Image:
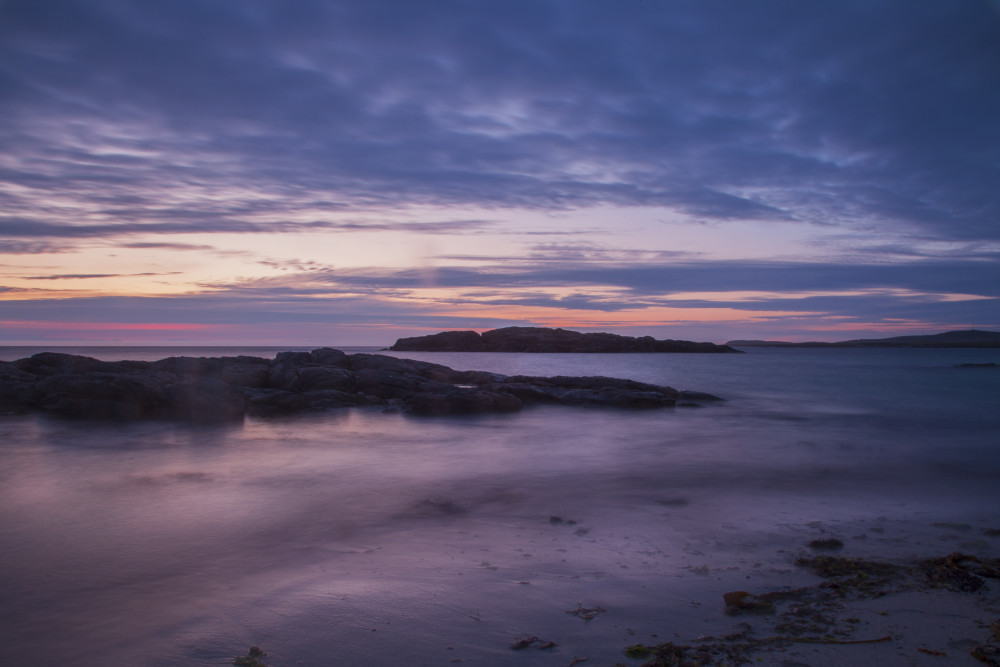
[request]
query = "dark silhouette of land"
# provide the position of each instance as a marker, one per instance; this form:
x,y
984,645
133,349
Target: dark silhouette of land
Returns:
x,y
228,388
967,338
539,339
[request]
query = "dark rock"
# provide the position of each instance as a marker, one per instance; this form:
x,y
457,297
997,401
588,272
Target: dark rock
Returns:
x,y
239,371
424,369
227,388
320,369
386,384
318,378
130,396
457,401
98,396
16,388
192,366
611,392
699,396
278,402
203,400
475,377
56,363
538,339
446,341
327,356
245,371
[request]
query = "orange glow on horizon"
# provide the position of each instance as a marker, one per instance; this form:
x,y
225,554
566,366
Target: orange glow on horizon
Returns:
x,y
110,326
652,316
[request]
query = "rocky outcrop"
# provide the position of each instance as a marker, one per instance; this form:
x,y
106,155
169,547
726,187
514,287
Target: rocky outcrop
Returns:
x,y
227,388
537,339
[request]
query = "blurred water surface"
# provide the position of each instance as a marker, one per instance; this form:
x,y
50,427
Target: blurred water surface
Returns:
x,y
355,535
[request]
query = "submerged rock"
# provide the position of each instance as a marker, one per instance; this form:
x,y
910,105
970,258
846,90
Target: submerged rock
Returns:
x,y
228,388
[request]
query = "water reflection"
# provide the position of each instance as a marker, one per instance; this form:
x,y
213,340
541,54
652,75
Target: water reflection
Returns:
x,y
168,544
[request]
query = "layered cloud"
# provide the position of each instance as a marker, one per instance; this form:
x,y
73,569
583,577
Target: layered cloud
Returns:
x,y
378,305
443,164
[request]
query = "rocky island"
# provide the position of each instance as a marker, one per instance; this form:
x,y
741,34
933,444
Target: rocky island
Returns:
x,y
539,339
228,388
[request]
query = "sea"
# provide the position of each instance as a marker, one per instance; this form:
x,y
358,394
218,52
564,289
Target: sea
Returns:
x,y
363,537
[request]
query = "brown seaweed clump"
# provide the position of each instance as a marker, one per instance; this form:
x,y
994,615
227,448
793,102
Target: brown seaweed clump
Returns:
x,y
819,614
959,572
253,658
738,602
533,641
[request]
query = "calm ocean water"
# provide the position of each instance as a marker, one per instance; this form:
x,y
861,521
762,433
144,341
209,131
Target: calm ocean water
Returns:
x,y
359,537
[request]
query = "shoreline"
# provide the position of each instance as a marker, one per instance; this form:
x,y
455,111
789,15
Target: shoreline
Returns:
x,y
863,612
895,609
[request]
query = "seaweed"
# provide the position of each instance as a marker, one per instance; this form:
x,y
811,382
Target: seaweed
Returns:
x,y
253,658
738,602
836,566
815,614
535,641
586,613
959,572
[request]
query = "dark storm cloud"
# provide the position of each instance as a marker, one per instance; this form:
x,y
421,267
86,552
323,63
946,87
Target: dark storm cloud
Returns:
x,y
859,113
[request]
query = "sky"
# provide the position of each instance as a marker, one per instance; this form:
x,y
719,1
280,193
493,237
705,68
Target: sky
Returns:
x,y
322,172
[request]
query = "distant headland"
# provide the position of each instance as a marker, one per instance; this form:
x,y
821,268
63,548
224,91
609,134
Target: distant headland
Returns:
x,y
539,339
967,338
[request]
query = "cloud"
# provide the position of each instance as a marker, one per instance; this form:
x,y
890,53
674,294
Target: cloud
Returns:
x,y
750,287
22,227
695,276
720,110
29,247
731,299
86,276
166,246
874,127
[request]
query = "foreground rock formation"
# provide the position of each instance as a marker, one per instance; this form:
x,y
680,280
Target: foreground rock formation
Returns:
x,y
227,388
537,339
